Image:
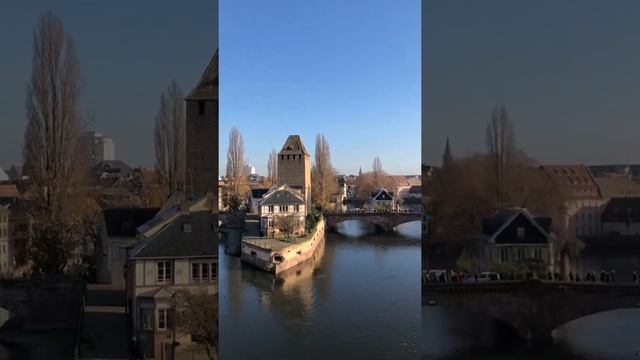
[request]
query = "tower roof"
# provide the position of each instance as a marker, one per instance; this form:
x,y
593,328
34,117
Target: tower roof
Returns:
x,y
207,88
294,145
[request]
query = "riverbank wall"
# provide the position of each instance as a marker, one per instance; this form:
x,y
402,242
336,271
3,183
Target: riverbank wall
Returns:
x,y
276,256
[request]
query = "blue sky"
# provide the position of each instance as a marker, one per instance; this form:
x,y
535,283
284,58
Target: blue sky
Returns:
x,y
129,52
567,71
349,70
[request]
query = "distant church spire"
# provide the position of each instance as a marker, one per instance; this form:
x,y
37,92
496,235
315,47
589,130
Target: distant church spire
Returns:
x,y
360,171
447,158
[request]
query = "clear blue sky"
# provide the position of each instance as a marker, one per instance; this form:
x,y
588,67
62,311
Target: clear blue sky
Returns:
x,y
347,69
567,71
129,51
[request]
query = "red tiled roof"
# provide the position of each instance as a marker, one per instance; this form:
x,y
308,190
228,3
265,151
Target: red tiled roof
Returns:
x,y
8,191
578,178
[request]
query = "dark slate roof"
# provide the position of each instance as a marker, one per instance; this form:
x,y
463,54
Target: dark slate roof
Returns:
x,y
114,167
207,88
282,197
622,210
257,193
294,145
382,195
176,240
493,225
123,222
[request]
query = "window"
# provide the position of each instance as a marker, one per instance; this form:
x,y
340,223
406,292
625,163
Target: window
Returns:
x,y
201,107
520,254
206,275
186,227
504,255
195,272
537,254
284,208
147,319
165,273
270,223
520,232
297,208
270,208
202,272
163,319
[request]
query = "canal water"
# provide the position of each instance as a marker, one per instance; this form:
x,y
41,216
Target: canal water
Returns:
x,y
614,335
357,299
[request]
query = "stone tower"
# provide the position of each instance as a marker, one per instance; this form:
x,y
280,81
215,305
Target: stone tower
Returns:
x,y
202,135
294,166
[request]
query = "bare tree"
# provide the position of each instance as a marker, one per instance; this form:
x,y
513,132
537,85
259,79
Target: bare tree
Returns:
x,y
237,182
169,139
286,224
199,317
377,171
272,167
53,127
323,175
501,146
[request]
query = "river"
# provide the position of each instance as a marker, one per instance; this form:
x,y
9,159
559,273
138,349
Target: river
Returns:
x,y
357,299
614,335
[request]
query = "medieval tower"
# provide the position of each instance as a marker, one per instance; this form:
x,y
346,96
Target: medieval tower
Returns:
x,y
202,135
294,166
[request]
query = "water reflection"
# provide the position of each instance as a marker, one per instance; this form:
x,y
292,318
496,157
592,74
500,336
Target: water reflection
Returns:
x,y
613,335
357,299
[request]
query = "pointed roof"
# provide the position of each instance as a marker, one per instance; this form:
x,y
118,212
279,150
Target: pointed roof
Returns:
x,y
207,88
293,145
497,223
282,195
447,158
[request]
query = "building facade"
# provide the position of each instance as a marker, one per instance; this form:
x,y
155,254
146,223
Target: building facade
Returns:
x,y
585,200
6,263
181,256
280,202
513,239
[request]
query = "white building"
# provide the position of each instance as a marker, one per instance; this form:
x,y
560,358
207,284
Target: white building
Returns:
x,y
97,147
250,169
177,251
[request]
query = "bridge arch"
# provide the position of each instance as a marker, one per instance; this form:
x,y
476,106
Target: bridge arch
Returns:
x,y
534,308
384,221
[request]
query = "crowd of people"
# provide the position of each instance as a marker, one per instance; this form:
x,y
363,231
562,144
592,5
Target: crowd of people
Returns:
x,y
447,276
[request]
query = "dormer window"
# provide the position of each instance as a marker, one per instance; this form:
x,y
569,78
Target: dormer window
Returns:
x,y
520,232
186,227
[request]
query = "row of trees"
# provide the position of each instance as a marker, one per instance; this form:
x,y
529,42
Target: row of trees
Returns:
x,y
324,178
474,187
62,209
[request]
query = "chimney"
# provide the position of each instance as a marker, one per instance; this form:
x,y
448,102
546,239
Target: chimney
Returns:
x,y
183,207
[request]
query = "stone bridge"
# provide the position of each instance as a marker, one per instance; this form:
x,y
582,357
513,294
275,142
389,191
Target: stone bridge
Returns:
x,y
533,307
385,221
43,304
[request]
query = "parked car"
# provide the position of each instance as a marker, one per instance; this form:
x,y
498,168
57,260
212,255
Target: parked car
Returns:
x,y
488,276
